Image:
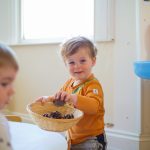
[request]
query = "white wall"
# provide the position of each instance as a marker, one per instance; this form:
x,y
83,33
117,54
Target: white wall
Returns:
x,y
42,72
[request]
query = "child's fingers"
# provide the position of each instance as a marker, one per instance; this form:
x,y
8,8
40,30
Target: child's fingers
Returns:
x,y
61,95
67,98
57,95
42,99
64,96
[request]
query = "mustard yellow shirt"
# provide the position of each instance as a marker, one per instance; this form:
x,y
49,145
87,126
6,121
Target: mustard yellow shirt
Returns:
x,y
90,101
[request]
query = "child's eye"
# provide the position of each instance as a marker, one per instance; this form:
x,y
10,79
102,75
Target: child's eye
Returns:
x,y
4,84
71,63
83,60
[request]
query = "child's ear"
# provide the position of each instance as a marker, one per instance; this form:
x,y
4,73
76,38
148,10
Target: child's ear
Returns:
x,y
94,61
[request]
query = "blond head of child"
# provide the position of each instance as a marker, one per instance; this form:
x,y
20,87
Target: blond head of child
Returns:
x,y
71,46
79,55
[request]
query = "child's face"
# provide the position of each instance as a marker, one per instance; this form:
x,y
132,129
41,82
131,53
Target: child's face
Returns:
x,y
80,64
7,76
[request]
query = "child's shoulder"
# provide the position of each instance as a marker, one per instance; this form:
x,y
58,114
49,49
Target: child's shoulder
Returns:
x,y
93,80
93,83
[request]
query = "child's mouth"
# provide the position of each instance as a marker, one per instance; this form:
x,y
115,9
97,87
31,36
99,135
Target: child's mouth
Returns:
x,y
79,72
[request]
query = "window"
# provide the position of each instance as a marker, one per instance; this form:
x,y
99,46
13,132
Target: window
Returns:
x,y
56,19
40,21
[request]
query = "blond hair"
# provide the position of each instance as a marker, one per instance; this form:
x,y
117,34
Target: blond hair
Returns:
x,y
8,57
72,45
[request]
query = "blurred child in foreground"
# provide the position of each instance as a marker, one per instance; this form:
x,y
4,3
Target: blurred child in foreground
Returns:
x,y
8,71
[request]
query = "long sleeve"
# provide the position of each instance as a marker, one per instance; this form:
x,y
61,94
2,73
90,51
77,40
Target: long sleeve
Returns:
x,y
90,100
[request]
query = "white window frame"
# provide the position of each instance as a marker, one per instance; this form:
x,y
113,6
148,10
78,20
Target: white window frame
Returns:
x,y
11,26
104,20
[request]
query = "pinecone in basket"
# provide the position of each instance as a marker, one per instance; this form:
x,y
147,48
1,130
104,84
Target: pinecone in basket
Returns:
x,y
58,115
68,116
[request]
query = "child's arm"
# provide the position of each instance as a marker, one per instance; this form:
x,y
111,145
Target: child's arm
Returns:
x,y
61,95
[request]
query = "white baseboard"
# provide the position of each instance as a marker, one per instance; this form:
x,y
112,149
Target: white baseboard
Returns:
x,y
121,140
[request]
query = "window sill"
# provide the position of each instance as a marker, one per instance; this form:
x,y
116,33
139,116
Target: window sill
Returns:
x,y
51,41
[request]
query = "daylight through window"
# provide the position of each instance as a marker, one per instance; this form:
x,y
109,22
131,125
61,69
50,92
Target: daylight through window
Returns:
x,y
56,19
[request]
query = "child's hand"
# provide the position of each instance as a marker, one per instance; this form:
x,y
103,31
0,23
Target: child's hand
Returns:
x,y
44,99
66,97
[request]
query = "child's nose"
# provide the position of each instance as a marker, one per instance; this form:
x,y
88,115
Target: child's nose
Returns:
x,y
77,65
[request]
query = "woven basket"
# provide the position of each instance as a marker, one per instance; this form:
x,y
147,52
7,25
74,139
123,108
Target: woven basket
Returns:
x,y
36,110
